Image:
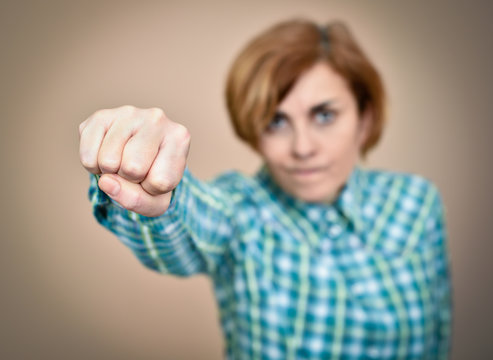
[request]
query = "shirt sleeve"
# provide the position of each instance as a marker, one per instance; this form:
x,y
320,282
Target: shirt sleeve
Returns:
x,y
191,237
442,287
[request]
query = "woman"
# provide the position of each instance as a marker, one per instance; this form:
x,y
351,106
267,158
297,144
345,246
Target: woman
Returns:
x,y
314,256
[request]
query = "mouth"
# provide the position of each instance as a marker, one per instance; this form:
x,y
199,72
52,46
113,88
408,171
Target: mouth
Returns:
x,y
306,172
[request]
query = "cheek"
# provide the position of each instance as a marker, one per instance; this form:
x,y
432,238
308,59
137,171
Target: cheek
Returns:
x,y
272,150
347,137
340,148
336,144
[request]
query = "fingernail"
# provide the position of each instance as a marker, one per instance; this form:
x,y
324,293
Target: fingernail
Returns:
x,y
112,186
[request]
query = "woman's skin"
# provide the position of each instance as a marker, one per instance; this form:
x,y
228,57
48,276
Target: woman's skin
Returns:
x,y
310,146
313,142
140,152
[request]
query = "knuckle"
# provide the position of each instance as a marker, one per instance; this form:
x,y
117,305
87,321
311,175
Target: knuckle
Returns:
x,y
156,117
127,109
157,112
182,134
155,122
109,164
87,162
161,184
133,169
100,117
101,113
87,158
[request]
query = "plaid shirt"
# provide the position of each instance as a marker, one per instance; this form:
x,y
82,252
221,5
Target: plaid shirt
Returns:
x,y
366,277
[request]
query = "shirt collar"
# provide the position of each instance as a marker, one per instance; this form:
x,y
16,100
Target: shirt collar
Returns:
x,y
348,203
350,200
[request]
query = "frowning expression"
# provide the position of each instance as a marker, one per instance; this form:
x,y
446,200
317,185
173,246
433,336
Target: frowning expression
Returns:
x,y
313,141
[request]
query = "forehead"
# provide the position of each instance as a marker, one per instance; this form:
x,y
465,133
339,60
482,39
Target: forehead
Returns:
x,y
318,84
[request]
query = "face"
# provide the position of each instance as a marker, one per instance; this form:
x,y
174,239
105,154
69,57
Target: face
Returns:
x,y
312,144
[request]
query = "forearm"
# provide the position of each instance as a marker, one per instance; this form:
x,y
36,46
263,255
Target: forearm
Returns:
x,y
190,237
160,243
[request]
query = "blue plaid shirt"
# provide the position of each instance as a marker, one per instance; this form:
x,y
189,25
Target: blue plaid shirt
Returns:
x,y
366,277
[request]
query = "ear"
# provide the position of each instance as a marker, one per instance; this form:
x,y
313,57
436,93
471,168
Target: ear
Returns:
x,y
365,125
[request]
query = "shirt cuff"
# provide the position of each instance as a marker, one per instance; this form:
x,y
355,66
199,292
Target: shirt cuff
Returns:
x,y
100,200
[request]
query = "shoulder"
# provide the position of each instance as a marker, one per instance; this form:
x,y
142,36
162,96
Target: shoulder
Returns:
x,y
401,197
402,210
399,185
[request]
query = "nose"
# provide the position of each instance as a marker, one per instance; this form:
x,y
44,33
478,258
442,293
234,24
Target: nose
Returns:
x,y
303,144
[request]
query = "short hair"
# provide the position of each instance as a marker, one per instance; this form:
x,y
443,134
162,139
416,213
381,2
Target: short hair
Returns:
x,y
267,68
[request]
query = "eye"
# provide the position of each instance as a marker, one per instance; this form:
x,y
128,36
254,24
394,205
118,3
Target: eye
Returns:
x,y
324,116
278,122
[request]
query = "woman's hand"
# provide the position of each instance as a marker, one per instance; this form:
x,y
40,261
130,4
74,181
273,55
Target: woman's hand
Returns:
x,y
140,152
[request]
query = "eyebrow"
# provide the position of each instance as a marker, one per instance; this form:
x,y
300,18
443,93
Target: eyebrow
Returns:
x,y
314,109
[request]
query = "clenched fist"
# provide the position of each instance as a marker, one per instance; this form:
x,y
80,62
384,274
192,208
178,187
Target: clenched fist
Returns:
x,y
140,153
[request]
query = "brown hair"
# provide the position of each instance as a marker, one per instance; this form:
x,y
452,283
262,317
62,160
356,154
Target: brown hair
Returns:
x,y
267,68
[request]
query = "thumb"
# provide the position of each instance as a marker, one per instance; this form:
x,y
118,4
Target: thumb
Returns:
x,y
110,185
132,196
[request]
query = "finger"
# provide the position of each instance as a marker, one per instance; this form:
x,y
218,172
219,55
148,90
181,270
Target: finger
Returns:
x,y
169,164
132,196
111,150
82,126
140,151
91,138
98,117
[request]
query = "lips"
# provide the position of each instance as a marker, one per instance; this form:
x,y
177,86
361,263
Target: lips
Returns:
x,y
306,173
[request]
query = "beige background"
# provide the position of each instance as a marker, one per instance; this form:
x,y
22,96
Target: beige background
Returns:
x,y
71,290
